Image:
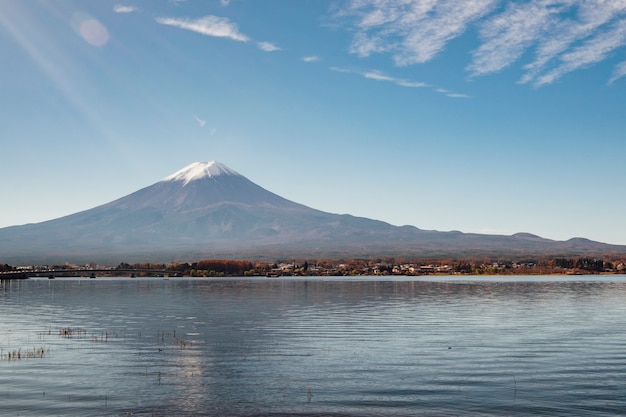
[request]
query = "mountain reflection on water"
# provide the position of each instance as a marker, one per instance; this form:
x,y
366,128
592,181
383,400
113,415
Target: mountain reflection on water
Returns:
x,y
358,347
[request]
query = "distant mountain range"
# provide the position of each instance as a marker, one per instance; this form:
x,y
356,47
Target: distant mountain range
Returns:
x,y
207,210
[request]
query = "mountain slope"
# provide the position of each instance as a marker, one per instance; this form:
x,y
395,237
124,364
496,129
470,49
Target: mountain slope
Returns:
x,y
209,210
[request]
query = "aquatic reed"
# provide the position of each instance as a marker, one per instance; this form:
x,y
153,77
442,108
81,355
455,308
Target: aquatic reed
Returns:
x,y
28,354
70,332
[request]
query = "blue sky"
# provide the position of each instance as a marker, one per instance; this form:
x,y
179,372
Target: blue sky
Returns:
x,y
478,115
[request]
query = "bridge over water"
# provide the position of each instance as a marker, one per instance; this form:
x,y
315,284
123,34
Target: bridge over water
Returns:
x,y
92,273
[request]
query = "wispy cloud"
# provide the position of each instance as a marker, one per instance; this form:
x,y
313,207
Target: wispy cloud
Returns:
x,y
457,95
220,27
567,35
590,52
619,72
507,35
451,94
310,58
224,2
380,76
267,46
413,31
344,70
561,35
118,8
200,121
410,84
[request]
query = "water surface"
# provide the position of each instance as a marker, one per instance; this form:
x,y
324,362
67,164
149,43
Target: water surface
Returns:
x,y
360,347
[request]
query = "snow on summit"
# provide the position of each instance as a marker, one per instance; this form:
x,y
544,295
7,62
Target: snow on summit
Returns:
x,y
200,170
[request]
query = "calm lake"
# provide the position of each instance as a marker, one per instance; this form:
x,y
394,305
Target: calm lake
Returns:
x,y
518,346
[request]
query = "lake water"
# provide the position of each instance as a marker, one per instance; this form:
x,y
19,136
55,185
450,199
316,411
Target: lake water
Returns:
x,y
520,346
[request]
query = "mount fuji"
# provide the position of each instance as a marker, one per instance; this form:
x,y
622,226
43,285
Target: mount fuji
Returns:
x,y
207,210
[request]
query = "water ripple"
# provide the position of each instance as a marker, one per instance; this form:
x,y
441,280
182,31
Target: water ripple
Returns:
x,y
313,348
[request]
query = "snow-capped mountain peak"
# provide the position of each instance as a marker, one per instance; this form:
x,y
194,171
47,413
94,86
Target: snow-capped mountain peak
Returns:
x,y
200,170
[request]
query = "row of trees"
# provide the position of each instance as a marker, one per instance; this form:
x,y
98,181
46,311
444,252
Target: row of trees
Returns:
x,y
585,264
389,266
207,267
383,266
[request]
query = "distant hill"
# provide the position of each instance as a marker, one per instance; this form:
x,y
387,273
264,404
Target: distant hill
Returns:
x,y
207,210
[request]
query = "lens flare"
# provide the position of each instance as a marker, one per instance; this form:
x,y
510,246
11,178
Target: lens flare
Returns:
x,y
90,29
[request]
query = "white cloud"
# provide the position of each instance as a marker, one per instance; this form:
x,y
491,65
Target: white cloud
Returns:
x,y
590,52
310,58
619,72
118,8
380,76
413,31
561,35
220,27
199,120
427,38
457,95
344,70
411,84
267,46
507,35
224,2
564,35
451,94
364,45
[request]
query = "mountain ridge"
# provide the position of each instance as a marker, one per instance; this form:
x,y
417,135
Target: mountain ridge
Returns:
x,y
207,210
